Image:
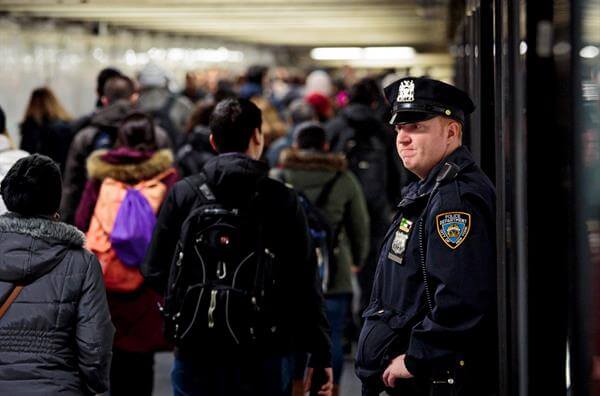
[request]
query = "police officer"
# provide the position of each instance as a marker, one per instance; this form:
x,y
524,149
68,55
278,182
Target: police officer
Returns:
x,y
430,327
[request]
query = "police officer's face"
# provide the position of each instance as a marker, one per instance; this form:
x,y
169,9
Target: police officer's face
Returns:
x,y
421,145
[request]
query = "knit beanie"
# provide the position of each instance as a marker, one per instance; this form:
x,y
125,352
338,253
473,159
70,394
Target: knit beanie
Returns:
x,y
153,75
32,187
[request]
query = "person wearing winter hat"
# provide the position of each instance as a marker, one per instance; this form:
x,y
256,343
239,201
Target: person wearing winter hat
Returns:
x,y
8,154
319,81
169,110
55,327
321,104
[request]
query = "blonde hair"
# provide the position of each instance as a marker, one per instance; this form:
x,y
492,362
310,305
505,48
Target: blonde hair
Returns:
x,y
43,105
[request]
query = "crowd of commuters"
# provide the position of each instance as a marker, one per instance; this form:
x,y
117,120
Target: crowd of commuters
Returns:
x,y
105,251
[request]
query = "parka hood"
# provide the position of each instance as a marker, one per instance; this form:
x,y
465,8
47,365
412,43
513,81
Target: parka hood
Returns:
x,y
231,173
313,160
31,246
104,163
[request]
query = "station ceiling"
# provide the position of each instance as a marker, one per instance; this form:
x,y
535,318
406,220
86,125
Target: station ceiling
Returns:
x,y
302,23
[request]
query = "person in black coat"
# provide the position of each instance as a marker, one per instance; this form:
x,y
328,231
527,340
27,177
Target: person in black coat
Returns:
x,y
46,127
196,149
56,336
233,178
430,327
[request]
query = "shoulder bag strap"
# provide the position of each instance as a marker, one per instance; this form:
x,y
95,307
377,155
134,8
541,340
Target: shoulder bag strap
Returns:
x,y
324,195
10,299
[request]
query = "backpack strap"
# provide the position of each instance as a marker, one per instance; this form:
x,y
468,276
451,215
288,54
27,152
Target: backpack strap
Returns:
x,y
324,195
16,290
198,183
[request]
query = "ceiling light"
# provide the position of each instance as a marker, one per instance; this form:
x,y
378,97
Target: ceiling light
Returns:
x,y
368,53
388,53
589,52
336,53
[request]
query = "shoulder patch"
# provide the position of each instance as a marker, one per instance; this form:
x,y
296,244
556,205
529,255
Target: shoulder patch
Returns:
x,y
453,227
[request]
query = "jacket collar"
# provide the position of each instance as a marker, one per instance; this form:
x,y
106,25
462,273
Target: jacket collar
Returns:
x,y
112,115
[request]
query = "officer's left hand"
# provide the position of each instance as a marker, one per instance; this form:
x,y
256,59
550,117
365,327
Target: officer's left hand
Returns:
x,y
396,369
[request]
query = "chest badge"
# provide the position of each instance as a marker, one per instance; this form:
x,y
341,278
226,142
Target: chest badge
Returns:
x,y
399,243
453,227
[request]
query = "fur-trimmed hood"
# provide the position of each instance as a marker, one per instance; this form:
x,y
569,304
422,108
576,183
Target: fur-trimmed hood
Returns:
x,y
312,160
29,245
100,169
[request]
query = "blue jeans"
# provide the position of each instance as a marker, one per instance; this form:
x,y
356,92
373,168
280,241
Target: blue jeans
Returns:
x,y
336,308
239,376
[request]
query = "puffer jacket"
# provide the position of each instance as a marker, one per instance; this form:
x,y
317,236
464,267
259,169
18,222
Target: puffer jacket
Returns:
x,y
106,120
56,337
308,172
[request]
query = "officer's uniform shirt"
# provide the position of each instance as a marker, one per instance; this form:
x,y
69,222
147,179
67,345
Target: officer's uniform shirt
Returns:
x,y
449,232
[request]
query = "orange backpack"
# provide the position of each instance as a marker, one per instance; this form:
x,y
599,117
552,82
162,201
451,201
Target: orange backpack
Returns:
x,y
117,276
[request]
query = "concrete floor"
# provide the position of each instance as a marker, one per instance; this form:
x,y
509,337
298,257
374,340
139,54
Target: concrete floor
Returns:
x,y
162,380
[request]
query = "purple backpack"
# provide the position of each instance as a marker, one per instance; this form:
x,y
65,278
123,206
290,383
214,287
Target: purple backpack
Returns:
x,y
133,227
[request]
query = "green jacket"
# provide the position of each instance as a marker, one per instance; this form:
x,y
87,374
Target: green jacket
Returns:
x,y
308,172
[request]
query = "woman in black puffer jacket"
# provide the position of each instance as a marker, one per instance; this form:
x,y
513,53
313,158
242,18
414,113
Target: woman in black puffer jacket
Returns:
x,y
56,337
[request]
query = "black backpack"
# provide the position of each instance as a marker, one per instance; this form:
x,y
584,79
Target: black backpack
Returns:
x,y
222,280
324,238
367,157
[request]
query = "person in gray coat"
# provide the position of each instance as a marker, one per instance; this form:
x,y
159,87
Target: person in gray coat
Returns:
x,y
56,336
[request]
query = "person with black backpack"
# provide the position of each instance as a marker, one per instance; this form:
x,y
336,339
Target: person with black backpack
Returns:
x,y
358,133
231,253
338,221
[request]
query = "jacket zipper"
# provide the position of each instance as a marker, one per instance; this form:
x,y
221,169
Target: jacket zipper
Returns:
x,y
424,268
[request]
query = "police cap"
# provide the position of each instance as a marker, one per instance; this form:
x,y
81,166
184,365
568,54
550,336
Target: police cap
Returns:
x,y
415,99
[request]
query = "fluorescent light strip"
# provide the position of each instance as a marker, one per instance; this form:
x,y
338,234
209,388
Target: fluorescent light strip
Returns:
x,y
336,53
368,53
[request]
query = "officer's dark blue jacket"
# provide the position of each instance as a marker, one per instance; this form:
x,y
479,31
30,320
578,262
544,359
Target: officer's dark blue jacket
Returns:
x,y
435,285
